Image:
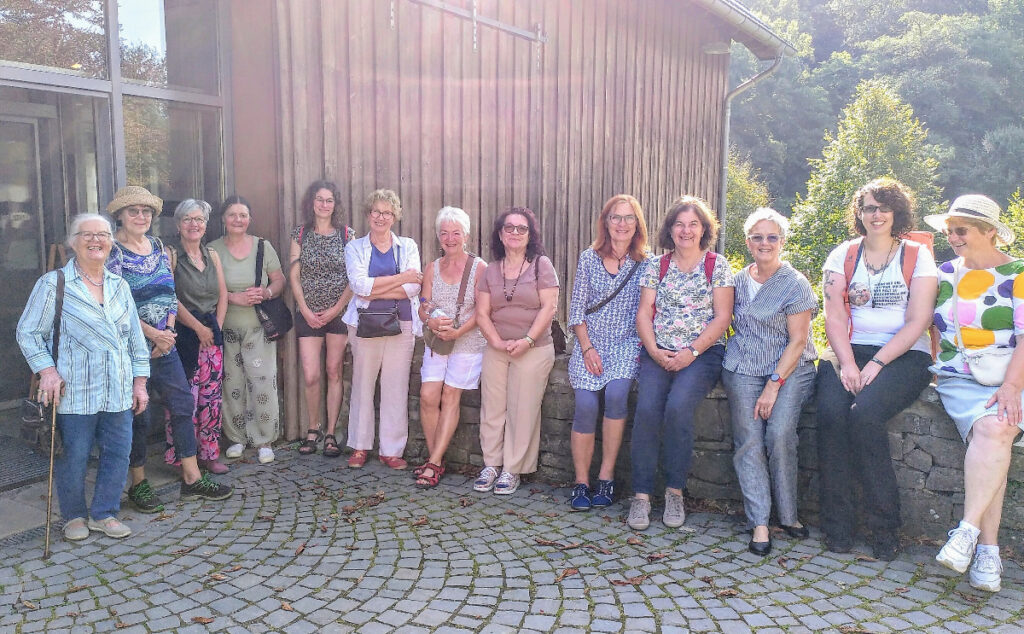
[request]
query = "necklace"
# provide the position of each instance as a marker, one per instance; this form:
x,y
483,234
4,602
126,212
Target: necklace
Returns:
x,y
504,289
621,260
880,272
89,279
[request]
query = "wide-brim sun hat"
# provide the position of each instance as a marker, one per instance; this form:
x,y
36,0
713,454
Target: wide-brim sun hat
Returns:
x,y
134,195
974,207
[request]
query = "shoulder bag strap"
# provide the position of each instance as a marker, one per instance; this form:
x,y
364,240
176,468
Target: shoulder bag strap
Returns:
x,y
398,271
909,261
57,312
601,304
466,272
709,265
259,263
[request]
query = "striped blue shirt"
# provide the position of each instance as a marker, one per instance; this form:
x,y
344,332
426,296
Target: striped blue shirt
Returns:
x,y
102,348
760,321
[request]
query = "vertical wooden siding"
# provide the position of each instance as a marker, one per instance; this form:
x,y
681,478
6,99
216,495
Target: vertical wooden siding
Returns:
x,y
620,99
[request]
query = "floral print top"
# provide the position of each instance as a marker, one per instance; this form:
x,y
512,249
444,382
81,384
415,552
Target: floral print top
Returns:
x,y
322,272
683,301
990,306
612,328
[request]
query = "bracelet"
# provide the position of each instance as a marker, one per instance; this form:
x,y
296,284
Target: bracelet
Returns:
x,y
270,293
530,340
584,353
878,361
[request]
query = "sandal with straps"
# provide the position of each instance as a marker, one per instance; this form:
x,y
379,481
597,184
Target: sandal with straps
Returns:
x,y
308,446
429,481
331,448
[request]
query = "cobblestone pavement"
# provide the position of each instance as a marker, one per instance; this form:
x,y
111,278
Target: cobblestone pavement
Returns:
x,y
309,545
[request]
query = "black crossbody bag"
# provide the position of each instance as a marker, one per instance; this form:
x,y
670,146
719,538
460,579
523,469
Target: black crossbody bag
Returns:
x,y
273,313
375,323
33,414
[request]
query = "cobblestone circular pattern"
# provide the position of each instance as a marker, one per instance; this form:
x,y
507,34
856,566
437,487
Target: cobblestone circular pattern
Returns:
x,y
308,545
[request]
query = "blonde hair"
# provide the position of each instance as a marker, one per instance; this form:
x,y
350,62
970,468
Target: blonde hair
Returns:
x,y
384,195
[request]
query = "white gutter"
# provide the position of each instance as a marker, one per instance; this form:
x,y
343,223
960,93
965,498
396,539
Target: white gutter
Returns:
x,y
737,16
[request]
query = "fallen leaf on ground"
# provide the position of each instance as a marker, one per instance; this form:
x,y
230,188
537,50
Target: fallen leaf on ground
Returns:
x,y
182,551
656,556
204,620
218,577
287,607
708,580
630,581
265,518
782,561
112,611
552,514
535,491
348,510
323,528
595,547
73,614
901,590
302,547
77,588
728,592
234,568
161,517
635,541
568,572
464,502
510,512
970,597
853,629
422,521
716,550
864,558
28,604
121,625
278,589
547,542
569,546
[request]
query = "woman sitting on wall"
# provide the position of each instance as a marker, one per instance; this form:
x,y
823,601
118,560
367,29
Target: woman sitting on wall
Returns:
x,y
202,303
320,285
768,373
448,310
879,292
605,296
686,300
384,271
980,315
516,300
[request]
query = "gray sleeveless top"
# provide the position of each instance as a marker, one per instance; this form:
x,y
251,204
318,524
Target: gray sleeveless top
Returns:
x,y
446,296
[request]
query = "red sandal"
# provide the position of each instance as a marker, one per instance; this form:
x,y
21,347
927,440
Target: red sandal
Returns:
x,y
429,481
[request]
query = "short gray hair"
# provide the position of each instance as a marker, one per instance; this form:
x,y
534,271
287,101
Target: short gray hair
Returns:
x,y
452,214
76,223
187,205
766,213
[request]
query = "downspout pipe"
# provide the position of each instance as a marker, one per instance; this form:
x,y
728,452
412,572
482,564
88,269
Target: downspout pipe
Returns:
x,y
724,186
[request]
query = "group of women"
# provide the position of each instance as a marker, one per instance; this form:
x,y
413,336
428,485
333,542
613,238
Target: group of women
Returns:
x,y
659,320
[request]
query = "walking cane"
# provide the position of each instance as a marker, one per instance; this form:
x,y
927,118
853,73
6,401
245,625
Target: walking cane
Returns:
x,y
49,483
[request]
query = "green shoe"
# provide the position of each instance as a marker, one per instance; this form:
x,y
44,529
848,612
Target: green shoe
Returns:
x,y
144,499
206,489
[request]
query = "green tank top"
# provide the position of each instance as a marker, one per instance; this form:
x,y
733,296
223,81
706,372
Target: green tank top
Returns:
x,y
197,290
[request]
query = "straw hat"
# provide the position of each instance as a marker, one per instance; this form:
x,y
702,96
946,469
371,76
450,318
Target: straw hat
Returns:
x,y
974,207
134,195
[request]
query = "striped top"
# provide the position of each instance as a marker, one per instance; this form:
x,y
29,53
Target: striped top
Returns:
x,y
150,279
759,320
101,346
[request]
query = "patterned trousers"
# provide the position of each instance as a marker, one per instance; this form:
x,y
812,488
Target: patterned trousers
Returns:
x,y
206,391
250,411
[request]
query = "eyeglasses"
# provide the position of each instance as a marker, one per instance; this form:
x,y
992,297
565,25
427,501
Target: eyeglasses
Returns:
x,y
960,232
871,209
98,236
133,212
324,201
771,238
520,229
378,213
193,220
618,220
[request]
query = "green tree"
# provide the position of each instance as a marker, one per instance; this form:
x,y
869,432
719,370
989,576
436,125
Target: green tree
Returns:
x,y
877,135
1014,219
746,192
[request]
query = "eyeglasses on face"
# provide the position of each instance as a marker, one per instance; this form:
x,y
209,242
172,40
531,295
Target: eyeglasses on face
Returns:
x,y
97,236
520,229
134,212
771,238
618,220
960,232
324,201
871,209
382,213
193,220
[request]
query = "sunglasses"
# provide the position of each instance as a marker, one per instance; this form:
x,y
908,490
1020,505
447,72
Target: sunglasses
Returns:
x,y
960,232
871,209
771,238
520,229
134,212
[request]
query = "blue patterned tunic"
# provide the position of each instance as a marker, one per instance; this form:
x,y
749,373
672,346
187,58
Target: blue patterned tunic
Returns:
x,y
612,329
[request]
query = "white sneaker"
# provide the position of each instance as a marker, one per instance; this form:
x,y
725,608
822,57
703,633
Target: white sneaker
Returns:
x,y
639,514
235,450
959,549
76,529
485,481
265,455
675,510
985,571
507,483
110,526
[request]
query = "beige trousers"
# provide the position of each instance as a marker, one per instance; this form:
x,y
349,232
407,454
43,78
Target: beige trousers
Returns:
x,y
391,359
249,407
511,392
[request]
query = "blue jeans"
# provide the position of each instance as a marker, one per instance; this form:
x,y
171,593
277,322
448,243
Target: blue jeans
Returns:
x,y
167,378
765,453
112,432
665,407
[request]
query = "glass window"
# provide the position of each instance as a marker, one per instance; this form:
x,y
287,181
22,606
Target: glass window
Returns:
x,y
68,36
169,43
175,151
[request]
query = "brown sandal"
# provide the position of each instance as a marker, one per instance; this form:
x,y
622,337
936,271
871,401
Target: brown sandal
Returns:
x,y
429,481
331,448
308,446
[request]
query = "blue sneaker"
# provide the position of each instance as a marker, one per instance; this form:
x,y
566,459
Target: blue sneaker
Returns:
x,y
605,494
580,500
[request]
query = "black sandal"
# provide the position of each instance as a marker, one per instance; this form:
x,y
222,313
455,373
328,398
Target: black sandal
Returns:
x,y
308,446
331,448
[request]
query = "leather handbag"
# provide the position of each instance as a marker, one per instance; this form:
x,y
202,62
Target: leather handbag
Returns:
x,y
436,344
374,322
989,366
557,334
273,313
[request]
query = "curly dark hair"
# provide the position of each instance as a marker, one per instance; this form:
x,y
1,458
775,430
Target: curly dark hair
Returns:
x,y
306,206
697,206
891,193
534,248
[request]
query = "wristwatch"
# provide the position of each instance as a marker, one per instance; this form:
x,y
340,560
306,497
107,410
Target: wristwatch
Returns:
x,y
693,350
778,379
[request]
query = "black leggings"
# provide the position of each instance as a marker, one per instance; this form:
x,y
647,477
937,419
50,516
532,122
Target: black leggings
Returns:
x,y
853,440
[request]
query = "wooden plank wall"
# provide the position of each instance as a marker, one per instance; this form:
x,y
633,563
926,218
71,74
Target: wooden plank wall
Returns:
x,y
382,93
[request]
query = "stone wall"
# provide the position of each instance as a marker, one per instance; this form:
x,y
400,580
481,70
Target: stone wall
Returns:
x,y
923,442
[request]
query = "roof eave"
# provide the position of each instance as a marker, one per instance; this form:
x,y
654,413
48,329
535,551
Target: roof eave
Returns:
x,y
748,29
